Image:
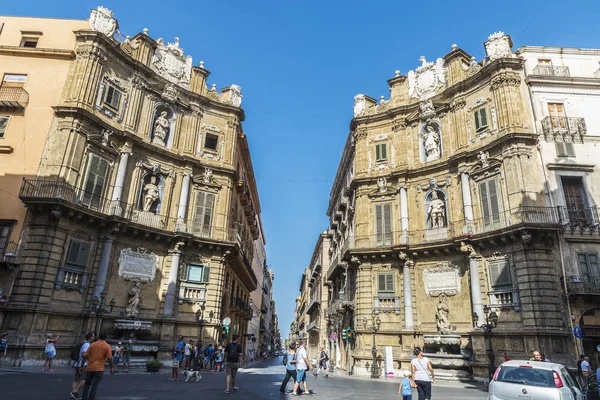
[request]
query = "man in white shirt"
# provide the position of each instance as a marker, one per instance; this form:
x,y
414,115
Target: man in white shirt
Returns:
x,y
302,367
585,367
80,366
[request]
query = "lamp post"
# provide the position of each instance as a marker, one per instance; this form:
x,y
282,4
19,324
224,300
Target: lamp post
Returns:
x,y
201,321
491,321
99,310
373,328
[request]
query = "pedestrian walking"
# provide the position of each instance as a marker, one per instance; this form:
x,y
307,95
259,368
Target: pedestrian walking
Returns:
x,y
323,358
178,351
187,354
208,357
405,389
49,352
586,370
126,355
218,359
422,374
117,356
96,355
579,373
290,361
233,355
3,345
80,367
302,367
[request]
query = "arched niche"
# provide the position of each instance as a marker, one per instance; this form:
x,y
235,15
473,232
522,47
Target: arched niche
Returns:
x,y
162,128
151,193
436,209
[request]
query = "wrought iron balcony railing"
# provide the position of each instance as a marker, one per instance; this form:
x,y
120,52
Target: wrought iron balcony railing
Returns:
x,y
585,284
564,126
13,97
11,253
551,70
579,217
314,324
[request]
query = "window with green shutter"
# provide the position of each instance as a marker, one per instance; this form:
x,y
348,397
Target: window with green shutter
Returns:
x,y
94,182
383,224
381,152
112,97
491,203
198,273
500,274
588,264
385,283
203,213
565,149
78,254
481,120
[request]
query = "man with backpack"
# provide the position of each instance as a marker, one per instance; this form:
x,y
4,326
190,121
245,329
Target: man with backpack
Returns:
x,y
233,356
80,364
323,358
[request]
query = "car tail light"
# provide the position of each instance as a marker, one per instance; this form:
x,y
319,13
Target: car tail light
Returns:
x,y
557,380
497,372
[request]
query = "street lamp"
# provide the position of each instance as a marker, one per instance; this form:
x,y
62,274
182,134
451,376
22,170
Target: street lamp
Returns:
x,y
491,321
201,321
98,307
373,328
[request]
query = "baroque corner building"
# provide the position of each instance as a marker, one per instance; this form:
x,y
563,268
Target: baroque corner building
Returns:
x,y
145,194
438,212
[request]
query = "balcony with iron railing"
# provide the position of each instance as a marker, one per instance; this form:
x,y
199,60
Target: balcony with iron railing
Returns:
x,y
564,126
314,324
583,285
551,70
13,97
315,299
11,254
583,218
60,192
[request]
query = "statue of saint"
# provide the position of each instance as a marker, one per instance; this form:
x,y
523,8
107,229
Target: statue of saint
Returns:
x,y
441,315
135,298
432,142
436,212
161,128
150,193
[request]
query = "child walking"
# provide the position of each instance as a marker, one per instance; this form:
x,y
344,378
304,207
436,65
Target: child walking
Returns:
x,y
405,390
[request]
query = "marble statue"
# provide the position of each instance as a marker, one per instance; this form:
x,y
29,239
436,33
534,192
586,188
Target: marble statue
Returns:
x,y
161,129
432,142
483,158
150,193
441,315
382,185
135,297
437,211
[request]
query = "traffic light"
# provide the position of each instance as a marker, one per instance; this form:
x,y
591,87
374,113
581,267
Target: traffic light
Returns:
x,y
344,334
225,332
349,334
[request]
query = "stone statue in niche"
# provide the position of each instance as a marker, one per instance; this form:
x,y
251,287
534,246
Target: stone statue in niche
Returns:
x,y
151,193
135,298
161,129
431,137
437,211
441,315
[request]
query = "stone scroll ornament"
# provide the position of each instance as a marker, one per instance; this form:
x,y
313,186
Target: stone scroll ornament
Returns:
x,y
101,20
138,265
442,279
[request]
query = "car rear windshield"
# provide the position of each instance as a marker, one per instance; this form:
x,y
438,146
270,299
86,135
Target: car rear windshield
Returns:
x,y
526,376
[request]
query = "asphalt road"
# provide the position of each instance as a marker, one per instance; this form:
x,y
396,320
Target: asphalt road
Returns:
x,y
261,381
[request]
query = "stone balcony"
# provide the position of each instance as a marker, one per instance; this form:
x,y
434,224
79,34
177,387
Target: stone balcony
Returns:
x,y
314,325
13,97
561,126
386,304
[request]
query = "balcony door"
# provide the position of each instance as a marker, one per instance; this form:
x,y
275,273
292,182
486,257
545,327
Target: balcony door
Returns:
x,y
557,114
575,200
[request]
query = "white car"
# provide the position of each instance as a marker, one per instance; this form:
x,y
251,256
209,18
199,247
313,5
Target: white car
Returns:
x,y
533,380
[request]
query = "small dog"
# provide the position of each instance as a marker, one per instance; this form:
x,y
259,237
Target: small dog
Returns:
x,y
191,374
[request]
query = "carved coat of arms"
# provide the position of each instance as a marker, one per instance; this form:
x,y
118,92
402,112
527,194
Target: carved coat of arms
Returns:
x,y
235,96
426,79
171,64
359,105
101,20
498,45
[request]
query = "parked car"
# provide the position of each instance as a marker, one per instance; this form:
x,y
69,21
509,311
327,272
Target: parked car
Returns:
x,y
534,380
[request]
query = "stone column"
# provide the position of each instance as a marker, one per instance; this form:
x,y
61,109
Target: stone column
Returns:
x,y
403,215
183,201
172,282
475,283
115,203
408,307
467,201
103,266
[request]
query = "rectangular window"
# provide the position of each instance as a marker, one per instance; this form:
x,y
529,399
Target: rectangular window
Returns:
x,y
198,273
481,120
112,97
557,114
588,264
14,80
381,152
203,215
383,224
78,254
4,235
211,142
576,205
95,181
3,125
385,284
565,149
29,42
500,274
491,203
544,62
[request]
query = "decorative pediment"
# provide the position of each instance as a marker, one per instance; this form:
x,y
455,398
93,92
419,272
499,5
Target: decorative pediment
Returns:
x,y
434,184
384,190
206,180
487,166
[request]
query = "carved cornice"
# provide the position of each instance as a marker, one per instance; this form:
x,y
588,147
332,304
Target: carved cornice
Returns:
x,y
505,79
360,133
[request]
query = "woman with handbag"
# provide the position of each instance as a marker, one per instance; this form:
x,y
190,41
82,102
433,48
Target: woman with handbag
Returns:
x,y
422,374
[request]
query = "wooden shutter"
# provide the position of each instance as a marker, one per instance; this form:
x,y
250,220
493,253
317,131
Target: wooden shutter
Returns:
x,y
203,215
574,199
383,151
593,265
381,283
183,272
500,273
95,180
480,119
206,274
377,153
385,283
113,97
379,223
387,224
3,124
490,202
78,253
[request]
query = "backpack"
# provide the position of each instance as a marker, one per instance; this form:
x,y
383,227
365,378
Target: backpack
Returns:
x,y
233,355
75,351
323,354
285,359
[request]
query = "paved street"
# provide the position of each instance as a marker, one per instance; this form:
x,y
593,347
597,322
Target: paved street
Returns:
x,y
261,381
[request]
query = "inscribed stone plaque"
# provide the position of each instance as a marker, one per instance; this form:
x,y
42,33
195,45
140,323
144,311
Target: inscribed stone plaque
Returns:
x,y
138,265
442,278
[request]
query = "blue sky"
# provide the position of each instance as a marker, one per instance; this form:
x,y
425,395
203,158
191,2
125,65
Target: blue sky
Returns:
x,y
300,63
